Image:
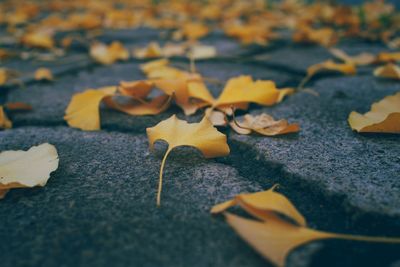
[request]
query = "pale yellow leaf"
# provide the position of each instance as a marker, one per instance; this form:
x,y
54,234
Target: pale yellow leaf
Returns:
x,y
384,117
27,168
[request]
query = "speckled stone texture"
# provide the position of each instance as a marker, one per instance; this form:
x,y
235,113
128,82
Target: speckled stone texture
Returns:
x,y
98,209
365,168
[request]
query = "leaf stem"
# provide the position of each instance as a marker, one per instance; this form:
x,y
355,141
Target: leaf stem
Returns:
x,y
161,177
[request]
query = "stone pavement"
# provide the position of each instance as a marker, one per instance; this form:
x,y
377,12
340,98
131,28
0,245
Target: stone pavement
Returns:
x,y
98,208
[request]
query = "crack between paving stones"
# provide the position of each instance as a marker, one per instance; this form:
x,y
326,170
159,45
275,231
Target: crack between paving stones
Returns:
x,y
322,207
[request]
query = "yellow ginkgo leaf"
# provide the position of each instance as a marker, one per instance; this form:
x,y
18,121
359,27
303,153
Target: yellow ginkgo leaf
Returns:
x,y
83,110
175,132
329,65
324,36
194,31
40,39
262,202
42,74
155,64
360,59
384,117
275,238
390,71
108,54
389,57
38,162
243,90
150,51
263,124
5,123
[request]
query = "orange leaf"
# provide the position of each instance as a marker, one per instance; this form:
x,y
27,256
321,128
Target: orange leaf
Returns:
x,y
264,124
390,71
43,74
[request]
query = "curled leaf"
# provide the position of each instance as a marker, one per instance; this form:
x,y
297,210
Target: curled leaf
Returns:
x,y
273,236
263,202
175,132
390,71
38,162
263,124
384,117
83,110
42,74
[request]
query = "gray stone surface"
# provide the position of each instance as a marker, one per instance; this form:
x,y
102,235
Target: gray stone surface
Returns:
x,y
98,209
363,168
50,100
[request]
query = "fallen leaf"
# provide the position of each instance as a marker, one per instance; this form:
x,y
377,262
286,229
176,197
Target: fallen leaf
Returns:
x,y
155,64
175,132
242,90
17,106
329,65
324,36
155,106
358,60
194,31
262,202
273,236
40,39
263,124
202,52
150,51
384,117
43,74
83,110
389,70
217,118
389,57
5,123
38,162
108,54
